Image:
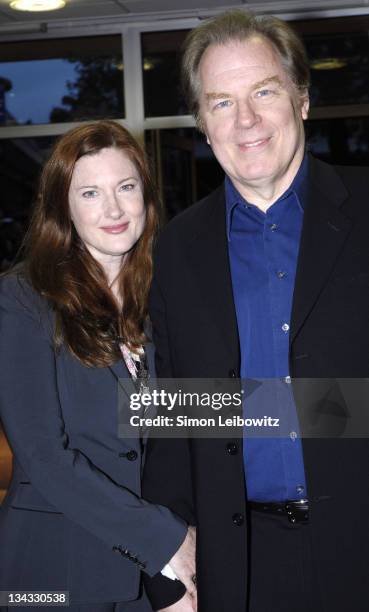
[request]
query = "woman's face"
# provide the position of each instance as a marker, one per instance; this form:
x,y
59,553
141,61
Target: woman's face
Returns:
x,y
107,205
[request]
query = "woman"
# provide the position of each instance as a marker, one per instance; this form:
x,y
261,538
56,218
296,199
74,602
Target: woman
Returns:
x,y
72,323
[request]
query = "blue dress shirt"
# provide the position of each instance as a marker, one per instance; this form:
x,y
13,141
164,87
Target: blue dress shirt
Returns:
x,y
263,251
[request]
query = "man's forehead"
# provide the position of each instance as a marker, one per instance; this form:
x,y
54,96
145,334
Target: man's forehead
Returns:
x,y
255,59
251,49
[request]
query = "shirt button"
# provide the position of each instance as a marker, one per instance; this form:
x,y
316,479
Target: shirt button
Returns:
x,y
238,519
232,448
273,227
285,327
300,489
281,274
287,380
293,435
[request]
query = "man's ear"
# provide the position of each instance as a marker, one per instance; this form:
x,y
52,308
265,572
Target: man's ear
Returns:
x,y
305,105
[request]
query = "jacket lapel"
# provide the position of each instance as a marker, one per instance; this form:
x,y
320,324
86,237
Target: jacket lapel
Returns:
x,y
325,230
123,378
208,254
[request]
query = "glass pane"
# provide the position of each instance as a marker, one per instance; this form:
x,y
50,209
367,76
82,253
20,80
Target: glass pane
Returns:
x,y
20,164
339,68
187,170
72,79
340,141
161,56
338,50
185,166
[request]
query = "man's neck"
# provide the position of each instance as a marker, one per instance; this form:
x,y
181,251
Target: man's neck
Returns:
x,y
265,193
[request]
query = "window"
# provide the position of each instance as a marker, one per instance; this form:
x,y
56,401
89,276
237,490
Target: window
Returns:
x,y
69,79
21,160
161,57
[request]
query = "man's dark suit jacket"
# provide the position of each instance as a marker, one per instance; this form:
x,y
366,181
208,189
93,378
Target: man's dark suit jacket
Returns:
x,y
195,332
73,518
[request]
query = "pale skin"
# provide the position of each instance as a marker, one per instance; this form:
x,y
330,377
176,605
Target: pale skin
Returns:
x,y
184,566
107,208
108,212
252,115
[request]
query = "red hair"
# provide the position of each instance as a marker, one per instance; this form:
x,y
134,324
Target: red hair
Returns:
x,y
88,319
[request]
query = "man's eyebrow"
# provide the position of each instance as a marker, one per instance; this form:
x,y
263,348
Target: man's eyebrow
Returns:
x,y
222,95
217,96
272,79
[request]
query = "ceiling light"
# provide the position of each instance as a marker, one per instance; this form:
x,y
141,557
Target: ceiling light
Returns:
x,y
37,5
329,63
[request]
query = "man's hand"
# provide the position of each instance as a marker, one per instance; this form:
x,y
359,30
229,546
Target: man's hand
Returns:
x,y
183,563
186,604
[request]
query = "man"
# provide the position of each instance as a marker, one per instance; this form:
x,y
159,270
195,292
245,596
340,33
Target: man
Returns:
x,y
267,278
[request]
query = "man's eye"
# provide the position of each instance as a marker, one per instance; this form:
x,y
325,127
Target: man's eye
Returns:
x,y
91,193
264,93
223,104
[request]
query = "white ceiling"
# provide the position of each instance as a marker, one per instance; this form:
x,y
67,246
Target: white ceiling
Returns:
x,y
129,10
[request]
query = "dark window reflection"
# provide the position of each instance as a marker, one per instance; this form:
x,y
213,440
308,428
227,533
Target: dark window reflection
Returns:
x,y
339,68
72,79
338,50
340,141
161,57
187,170
20,164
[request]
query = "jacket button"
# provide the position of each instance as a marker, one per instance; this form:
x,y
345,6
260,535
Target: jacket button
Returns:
x,y
132,455
232,448
238,519
232,374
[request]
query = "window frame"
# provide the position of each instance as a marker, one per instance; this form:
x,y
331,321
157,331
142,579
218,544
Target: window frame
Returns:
x,y
131,32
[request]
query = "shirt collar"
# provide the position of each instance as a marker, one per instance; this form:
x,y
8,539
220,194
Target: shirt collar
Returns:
x,y
298,187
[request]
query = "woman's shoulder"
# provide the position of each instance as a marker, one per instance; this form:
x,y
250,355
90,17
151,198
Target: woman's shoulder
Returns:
x,y
16,292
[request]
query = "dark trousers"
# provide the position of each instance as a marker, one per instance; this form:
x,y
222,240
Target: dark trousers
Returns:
x,y
281,573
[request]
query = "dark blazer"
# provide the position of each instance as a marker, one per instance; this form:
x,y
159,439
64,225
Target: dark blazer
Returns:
x,y
195,332
73,518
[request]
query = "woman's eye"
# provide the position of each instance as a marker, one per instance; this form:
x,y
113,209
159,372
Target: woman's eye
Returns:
x,y
91,193
127,187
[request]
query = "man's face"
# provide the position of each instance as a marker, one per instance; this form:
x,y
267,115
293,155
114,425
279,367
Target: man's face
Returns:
x,y
252,115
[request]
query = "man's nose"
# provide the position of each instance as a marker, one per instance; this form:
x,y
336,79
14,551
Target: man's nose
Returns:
x,y
246,115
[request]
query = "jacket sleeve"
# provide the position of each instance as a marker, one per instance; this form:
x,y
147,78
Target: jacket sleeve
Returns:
x,y
167,473
30,410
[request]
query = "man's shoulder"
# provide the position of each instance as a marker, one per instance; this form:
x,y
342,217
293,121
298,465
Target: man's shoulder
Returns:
x,y
351,176
344,186
195,217
357,177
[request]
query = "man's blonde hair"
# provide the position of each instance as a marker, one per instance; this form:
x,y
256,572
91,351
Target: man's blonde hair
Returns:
x,y
239,25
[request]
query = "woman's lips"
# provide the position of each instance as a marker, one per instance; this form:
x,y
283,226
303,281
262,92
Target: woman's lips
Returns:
x,y
115,229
